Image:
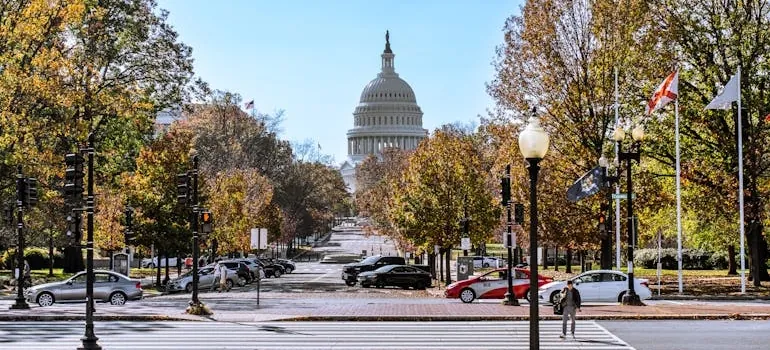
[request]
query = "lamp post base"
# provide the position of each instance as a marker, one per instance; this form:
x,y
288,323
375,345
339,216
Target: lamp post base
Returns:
x,y
198,309
20,304
632,300
510,300
89,343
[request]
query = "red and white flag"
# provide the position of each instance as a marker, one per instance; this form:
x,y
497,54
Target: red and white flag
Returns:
x,y
665,93
250,104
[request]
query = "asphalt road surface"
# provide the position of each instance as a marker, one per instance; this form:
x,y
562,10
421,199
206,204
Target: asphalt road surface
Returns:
x,y
670,335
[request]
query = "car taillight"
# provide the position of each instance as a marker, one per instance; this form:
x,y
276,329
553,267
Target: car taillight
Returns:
x,y
138,285
644,284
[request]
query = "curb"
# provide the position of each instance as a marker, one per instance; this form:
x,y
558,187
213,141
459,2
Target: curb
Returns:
x,y
445,318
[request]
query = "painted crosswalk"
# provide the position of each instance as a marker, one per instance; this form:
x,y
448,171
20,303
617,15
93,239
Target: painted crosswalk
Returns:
x,y
305,335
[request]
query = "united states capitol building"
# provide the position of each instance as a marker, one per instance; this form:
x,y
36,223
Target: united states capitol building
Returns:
x,y
387,115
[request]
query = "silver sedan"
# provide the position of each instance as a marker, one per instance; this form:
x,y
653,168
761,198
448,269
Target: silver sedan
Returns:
x,y
109,287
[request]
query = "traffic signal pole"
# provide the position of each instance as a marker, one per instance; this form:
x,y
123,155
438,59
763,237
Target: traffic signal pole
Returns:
x,y
194,225
90,339
21,302
510,298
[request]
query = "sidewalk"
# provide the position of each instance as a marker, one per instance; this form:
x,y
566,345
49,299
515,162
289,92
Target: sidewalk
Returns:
x,y
234,308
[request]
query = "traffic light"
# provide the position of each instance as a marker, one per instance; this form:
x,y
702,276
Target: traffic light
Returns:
x,y
603,209
518,213
129,231
73,176
505,191
206,222
73,227
31,196
183,189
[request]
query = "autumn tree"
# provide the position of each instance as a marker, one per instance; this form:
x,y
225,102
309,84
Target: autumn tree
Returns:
x,y
443,181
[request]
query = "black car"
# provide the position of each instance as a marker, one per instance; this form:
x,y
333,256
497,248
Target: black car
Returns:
x,y
241,268
395,275
271,270
350,272
288,265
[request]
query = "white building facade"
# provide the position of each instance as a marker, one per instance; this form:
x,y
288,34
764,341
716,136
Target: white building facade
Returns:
x,y
387,115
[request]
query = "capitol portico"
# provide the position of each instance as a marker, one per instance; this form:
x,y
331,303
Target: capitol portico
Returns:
x,y
387,116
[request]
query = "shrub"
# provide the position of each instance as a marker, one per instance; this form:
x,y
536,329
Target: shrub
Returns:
x,y
692,259
36,257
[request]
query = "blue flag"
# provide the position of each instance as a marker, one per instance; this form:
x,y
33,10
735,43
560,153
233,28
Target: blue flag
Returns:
x,y
588,184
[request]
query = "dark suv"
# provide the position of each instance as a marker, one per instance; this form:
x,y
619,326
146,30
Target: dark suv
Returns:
x,y
350,272
271,270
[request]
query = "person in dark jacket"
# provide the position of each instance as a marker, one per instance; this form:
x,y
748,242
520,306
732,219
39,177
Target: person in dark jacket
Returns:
x,y
570,303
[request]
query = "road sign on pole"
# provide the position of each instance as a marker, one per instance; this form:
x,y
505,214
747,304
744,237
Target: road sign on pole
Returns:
x,y
623,196
465,243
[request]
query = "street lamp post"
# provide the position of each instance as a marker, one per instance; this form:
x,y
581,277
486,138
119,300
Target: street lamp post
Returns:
x,y
637,134
533,144
89,339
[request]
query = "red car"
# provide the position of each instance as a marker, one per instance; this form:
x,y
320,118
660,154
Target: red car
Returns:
x,y
492,285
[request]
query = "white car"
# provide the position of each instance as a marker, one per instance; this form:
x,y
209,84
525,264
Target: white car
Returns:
x,y
597,285
205,280
152,263
487,261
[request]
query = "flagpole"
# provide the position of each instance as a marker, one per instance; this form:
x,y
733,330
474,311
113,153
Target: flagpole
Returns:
x,y
617,184
740,182
678,197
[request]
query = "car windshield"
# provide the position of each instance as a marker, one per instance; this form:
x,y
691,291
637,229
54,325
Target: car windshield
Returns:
x,y
385,268
370,260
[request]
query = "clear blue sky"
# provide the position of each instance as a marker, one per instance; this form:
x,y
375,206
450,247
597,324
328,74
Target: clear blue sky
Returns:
x,y
312,58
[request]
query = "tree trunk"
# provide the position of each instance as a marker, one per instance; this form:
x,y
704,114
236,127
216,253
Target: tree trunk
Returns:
x,y
165,280
440,265
582,259
432,264
569,261
556,259
157,267
731,263
50,255
448,256
545,257
757,253
112,262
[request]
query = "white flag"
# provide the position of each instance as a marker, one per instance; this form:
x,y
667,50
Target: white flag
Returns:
x,y
731,93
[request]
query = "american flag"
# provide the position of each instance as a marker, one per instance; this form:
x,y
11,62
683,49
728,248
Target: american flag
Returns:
x,y
250,104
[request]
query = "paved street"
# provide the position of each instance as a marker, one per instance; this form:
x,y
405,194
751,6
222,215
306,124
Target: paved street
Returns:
x,y
305,335
667,335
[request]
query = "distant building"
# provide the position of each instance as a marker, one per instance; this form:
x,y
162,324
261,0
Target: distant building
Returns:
x,y
387,116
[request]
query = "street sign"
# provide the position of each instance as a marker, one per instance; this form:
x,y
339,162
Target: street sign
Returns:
x,y
258,238
623,196
465,243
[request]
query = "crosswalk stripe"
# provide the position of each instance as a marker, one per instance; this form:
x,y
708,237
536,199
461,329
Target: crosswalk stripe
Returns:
x,y
306,335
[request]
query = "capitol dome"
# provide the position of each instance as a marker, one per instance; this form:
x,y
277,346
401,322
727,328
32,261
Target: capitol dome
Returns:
x,y
387,115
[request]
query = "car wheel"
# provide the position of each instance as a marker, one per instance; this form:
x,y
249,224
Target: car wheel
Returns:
x,y
45,299
350,283
188,288
380,284
229,283
118,298
150,266
554,295
419,286
485,265
365,285
277,273
526,294
467,295
289,269
620,296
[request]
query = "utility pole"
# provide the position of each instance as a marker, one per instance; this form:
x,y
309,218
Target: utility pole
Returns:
x,y
21,302
90,339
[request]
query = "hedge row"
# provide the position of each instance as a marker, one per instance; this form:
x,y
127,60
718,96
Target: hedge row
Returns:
x,y
692,259
36,257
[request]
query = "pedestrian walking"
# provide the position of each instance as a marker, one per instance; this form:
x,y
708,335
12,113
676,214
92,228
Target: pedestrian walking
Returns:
x,y
570,303
221,276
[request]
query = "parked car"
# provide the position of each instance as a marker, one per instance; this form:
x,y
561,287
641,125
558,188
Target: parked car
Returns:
x,y
487,261
205,280
597,285
350,272
152,263
493,285
271,270
395,275
288,265
109,287
240,268
255,270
